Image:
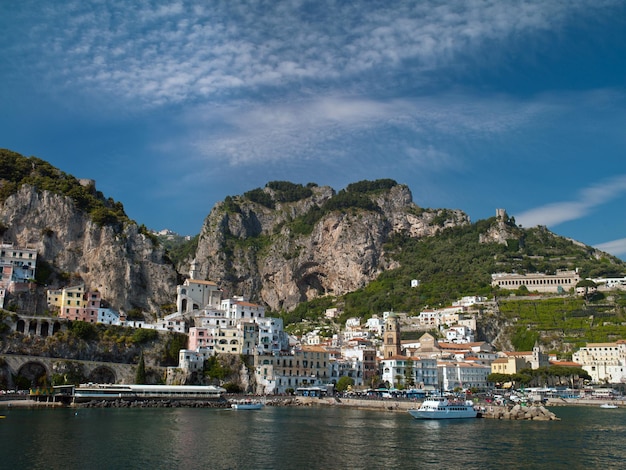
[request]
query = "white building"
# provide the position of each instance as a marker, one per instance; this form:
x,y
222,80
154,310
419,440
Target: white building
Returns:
x,y
196,295
560,282
459,334
272,337
469,301
607,283
238,309
190,361
463,375
375,325
22,260
422,372
108,316
604,362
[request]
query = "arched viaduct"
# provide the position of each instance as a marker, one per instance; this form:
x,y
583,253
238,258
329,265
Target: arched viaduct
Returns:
x,y
32,368
94,371
38,326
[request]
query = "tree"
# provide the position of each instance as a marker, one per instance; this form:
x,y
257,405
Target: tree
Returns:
x,y
409,379
140,373
343,383
589,286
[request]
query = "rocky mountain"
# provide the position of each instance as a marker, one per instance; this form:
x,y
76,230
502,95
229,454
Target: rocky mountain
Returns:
x,y
286,243
279,245
74,246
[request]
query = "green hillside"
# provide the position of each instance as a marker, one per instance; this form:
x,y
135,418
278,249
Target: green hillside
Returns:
x,y
455,263
564,323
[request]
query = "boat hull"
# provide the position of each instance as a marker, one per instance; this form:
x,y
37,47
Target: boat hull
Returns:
x,y
247,406
443,414
441,408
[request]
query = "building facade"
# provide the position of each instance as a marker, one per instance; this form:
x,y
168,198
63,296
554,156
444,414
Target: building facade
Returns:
x,y
560,282
604,362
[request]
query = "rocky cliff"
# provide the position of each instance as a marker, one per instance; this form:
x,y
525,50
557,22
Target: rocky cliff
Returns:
x,y
120,262
282,253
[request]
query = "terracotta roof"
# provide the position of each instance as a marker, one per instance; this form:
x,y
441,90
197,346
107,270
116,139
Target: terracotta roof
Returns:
x,y
501,360
565,363
198,281
518,353
396,358
314,349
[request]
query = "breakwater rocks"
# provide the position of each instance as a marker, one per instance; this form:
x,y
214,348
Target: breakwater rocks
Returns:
x,y
517,412
166,403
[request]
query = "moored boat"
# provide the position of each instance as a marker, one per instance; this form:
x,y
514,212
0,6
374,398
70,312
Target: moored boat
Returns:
x,y
442,408
608,406
248,405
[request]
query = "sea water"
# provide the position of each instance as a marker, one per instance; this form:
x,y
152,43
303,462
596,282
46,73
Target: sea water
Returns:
x,y
304,438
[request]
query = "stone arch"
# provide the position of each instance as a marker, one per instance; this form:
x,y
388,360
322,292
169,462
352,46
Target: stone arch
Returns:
x,y
44,329
102,375
32,374
32,327
183,305
21,326
56,327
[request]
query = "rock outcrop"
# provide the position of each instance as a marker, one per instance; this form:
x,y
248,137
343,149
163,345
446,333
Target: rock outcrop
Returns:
x,y
263,252
123,264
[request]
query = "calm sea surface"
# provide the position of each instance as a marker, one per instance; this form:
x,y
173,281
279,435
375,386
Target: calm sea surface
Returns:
x,y
304,438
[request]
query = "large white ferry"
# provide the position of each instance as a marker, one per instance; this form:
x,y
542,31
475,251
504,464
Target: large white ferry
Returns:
x,y
442,408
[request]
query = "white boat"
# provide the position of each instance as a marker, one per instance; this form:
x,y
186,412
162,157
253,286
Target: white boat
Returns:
x,y
247,406
609,406
442,408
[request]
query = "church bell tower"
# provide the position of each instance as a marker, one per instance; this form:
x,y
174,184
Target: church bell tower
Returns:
x,y
391,337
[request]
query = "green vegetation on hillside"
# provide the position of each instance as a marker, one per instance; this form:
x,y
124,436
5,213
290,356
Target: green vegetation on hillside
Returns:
x,y
179,248
284,191
17,170
455,263
564,320
543,377
356,196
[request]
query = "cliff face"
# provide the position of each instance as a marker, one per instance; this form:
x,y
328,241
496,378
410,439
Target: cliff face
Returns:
x,y
125,266
258,252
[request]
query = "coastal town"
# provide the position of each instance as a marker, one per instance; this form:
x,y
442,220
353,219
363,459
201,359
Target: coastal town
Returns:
x,y
370,355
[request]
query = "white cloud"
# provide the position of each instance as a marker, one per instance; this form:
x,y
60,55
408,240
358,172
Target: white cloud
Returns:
x,y
588,199
157,52
416,131
615,247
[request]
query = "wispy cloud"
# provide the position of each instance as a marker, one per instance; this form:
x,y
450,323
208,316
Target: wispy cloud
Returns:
x,y
588,199
156,52
411,129
615,247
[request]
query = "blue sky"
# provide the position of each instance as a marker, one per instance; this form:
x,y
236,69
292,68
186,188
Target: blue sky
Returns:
x,y
475,105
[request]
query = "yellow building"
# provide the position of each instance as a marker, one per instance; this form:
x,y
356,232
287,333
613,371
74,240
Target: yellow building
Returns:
x,y
508,365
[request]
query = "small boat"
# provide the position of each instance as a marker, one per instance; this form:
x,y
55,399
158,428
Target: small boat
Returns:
x,y
248,405
608,406
442,408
